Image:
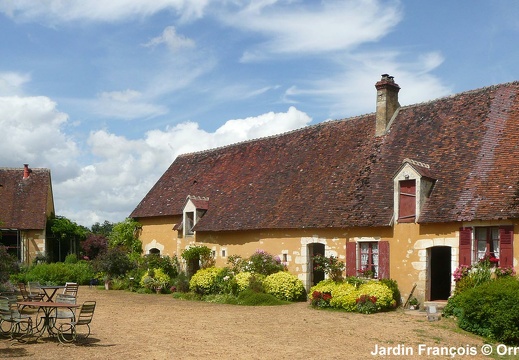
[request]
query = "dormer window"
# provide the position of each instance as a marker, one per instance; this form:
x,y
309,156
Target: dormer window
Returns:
x,y
194,209
407,201
413,184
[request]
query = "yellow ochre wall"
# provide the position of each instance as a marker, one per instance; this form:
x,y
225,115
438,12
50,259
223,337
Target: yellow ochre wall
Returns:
x,y
409,244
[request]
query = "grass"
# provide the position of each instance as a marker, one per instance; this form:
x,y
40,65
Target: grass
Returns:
x,y
245,298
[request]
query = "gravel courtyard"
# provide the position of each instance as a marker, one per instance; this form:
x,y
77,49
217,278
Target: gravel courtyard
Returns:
x,y
140,326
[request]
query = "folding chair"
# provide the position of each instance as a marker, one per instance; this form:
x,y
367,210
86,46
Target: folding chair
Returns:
x,y
68,332
68,314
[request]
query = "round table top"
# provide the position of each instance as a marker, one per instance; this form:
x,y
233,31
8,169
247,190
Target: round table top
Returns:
x,y
47,304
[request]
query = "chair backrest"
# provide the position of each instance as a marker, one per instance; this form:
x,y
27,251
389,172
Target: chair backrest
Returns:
x,y
71,288
34,287
23,291
86,313
64,313
5,308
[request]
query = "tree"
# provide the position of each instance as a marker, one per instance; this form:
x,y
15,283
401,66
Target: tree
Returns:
x,y
102,229
68,234
113,262
93,245
125,234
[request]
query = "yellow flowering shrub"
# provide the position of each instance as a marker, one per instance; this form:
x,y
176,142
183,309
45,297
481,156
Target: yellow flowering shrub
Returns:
x,y
344,296
204,281
243,280
284,286
383,294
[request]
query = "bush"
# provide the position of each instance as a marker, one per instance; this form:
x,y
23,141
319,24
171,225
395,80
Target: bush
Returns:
x,y
393,286
330,266
490,310
250,297
383,295
8,265
180,283
113,263
284,286
261,262
155,280
344,296
71,259
57,273
204,281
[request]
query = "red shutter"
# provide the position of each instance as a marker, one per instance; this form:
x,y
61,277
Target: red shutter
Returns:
x,y
351,258
407,201
383,260
506,242
465,246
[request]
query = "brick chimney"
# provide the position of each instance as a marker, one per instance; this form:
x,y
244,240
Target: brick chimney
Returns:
x,y
26,171
387,102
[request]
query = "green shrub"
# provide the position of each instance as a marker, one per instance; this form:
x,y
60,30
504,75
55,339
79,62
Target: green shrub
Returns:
x,y
168,265
247,280
393,286
490,310
56,273
250,297
8,265
284,286
155,280
344,296
383,295
204,281
261,262
180,283
71,259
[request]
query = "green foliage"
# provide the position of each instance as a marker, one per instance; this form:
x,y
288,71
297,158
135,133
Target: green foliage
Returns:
x,y
64,229
170,266
8,265
261,262
180,283
372,295
393,286
490,310
125,234
204,281
103,229
155,280
196,252
330,266
252,298
56,273
113,263
71,259
284,286
383,295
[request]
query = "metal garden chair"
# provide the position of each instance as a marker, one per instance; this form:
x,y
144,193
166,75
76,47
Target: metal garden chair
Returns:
x,y
68,331
12,323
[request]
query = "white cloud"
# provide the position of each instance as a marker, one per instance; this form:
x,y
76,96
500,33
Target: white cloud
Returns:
x,y
111,187
351,90
34,133
335,25
171,39
11,83
126,105
55,11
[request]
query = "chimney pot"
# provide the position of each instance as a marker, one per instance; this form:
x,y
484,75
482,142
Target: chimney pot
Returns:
x,y
387,102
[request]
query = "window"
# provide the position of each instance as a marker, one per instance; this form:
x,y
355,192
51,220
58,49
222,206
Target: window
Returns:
x,y
477,242
407,201
189,223
486,242
369,257
223,253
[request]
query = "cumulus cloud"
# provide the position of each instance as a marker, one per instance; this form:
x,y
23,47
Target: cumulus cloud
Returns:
x,y
126,169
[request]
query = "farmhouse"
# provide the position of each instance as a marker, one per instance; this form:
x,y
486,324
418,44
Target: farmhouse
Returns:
x,y
26,204
409,192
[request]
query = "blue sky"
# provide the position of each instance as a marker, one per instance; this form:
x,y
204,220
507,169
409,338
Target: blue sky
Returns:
x,y
107,93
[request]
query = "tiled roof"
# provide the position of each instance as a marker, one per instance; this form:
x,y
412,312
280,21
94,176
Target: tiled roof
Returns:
x,y
23,202
339,174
